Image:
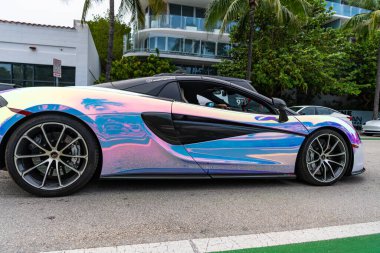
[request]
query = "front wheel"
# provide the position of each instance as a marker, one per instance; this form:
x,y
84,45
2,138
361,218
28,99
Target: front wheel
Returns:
x,y
324,158
51,155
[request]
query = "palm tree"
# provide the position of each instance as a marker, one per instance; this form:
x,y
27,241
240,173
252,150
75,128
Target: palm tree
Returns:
x,y
226,11
366,26
137,16
111,13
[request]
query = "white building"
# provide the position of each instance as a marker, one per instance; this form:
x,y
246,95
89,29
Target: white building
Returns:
x,y
180,35
27,52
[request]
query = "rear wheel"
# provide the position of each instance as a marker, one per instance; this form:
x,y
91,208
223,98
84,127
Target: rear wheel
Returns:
x,y
324,158
52,155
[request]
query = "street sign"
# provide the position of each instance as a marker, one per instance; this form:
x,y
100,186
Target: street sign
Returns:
x,y
57,70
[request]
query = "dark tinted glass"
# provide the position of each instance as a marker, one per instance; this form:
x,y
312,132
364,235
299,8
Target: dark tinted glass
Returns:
x,y
175,9
5,71
171,91
161,42
208,48
18,72
68,75
151,88
223,49
323,111
200,13
43,73
174,44
187,11
308,111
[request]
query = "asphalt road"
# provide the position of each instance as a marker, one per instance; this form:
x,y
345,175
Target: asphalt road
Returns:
x,y
109,213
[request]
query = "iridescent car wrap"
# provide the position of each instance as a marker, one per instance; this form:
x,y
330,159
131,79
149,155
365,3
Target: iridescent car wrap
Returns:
x,y
129,146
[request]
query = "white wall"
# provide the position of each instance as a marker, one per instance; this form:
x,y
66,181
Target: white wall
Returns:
x,y
74,46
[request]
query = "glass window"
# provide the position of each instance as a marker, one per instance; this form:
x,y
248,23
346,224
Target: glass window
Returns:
x,y
223,49
175,9
174,44
28,72
5,71
161,43
213,95
188,46
200,13
323,111
18,72
171,91
197,44
307,111
208,48
187,11
68,75
43,73
152,42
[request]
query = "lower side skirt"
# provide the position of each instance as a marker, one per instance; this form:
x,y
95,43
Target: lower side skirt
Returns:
x,y
201,176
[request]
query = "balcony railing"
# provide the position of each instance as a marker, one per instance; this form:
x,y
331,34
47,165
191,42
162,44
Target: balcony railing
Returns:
x,y
181,22
345,10
153,51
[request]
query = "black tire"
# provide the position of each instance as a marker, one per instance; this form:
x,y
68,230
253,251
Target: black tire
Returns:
x,y
303,171
88,165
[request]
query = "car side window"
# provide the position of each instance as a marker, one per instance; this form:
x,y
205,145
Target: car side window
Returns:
x,y
323,111
216,96
171,91
307,111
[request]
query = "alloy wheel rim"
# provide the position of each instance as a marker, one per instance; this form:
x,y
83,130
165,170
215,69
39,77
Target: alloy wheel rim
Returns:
x,y
326,158
51,156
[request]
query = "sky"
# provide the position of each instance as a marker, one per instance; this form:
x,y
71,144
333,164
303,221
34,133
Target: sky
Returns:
x,y
50,12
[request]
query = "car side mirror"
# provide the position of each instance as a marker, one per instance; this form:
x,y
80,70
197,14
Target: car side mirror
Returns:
x,y
280,105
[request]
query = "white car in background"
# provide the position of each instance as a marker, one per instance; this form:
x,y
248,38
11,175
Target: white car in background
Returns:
x,y
371,127
320,110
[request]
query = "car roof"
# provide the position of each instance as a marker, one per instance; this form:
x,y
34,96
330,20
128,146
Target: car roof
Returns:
x,y
125,84
238,81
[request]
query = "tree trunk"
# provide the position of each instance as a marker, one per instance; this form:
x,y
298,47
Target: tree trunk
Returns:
x,y
110,40
377,90
252,8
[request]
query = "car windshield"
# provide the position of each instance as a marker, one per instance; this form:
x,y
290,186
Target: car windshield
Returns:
x,y
295,108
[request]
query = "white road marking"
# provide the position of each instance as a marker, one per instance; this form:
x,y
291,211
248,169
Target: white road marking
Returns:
x,y
242,241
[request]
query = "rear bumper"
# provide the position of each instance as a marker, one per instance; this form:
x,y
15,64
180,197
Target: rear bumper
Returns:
x,y
358,166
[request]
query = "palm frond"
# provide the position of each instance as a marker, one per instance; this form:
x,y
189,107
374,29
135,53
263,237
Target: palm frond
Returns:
x,y
133,7
86,7
157,6
366,4
364,25
219,9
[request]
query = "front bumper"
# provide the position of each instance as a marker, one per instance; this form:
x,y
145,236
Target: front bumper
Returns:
x,y
358,166
368,129
7,119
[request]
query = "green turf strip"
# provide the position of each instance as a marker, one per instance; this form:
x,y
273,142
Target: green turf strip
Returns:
x,y
360,244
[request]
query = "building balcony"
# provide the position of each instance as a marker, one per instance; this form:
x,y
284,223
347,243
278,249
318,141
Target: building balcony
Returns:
x,y
181,22
179,56
343,10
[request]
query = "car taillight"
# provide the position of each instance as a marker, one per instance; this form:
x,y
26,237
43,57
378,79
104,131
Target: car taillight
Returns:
x,y
349,117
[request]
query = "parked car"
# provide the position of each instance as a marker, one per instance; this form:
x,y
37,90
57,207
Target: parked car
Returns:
x,y
320,110
8,86
371,127
54,140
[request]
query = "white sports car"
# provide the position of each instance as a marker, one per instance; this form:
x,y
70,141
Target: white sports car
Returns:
x,y
371,127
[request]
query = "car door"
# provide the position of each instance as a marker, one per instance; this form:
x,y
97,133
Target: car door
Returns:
x,y
238,142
